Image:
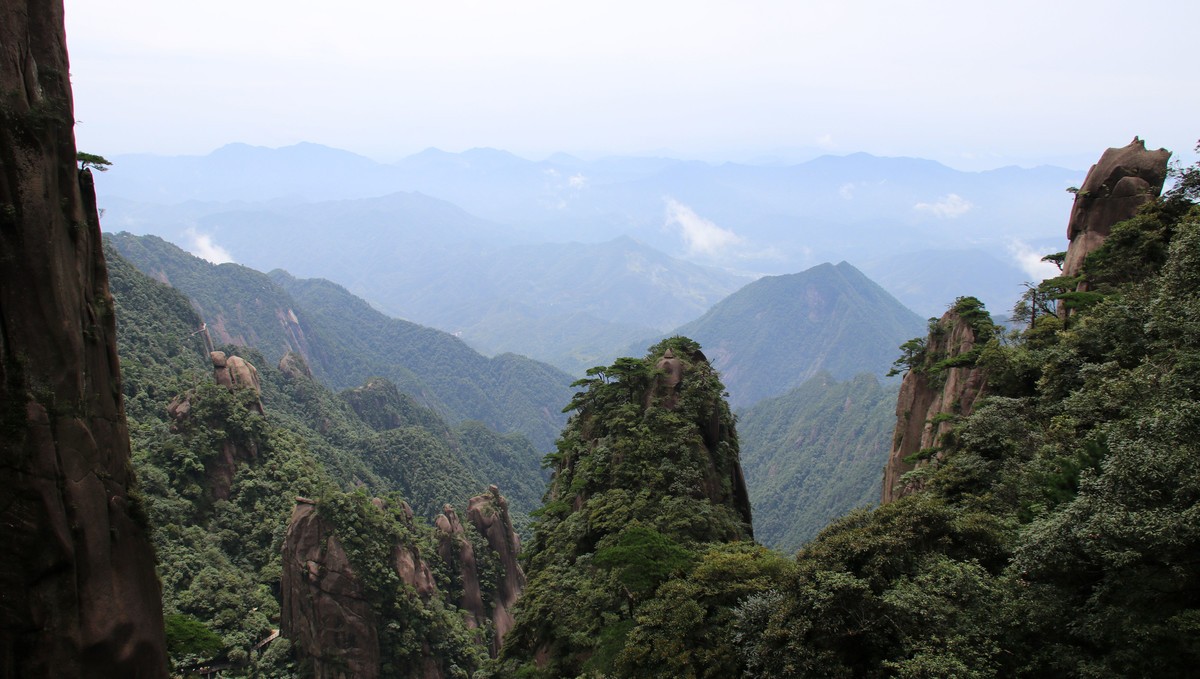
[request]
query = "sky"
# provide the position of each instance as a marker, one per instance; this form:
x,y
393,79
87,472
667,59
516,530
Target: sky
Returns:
x,y
971,84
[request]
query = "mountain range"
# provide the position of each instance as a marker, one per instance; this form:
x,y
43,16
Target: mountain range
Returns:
x,y
570,260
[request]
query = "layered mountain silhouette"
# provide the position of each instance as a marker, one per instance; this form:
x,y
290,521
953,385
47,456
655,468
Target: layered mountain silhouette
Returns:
x,y
549,227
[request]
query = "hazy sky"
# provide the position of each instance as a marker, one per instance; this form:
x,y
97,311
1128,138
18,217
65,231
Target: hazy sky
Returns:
x,y
971,84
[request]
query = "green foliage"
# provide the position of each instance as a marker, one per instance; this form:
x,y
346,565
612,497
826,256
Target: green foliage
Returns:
x,y
912,354
189,640
814,455
411,627
639,488
1056,537
91,161
687,630
642,559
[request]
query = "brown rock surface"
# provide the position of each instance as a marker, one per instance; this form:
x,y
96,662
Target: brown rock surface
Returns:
x,y
923,397
489,514
236,372
457,551
324,608
1122,181
668,383
294,366
78,592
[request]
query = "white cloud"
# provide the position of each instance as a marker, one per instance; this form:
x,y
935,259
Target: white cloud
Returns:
x,y
1030,261
947,207
702,236
577,181
825,141
202,245
847,191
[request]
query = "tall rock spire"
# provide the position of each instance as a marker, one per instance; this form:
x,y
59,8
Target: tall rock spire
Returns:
x,y
78,592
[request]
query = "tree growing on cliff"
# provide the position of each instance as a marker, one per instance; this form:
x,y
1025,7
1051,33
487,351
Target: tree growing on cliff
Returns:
x,y
91,161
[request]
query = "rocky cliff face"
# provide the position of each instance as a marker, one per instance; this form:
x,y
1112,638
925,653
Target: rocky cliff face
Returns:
x,y
489,514
329,612
1122,181
78,592
325,611
941,386
456,550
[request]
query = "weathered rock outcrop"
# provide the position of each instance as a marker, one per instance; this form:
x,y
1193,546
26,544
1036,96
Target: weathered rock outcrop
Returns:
x,y
384,407
456,551
78,592
325,611
723,484
236,372
935,392
489,514
1122,181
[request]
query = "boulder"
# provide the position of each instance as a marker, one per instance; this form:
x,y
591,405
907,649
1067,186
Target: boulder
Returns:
x,y
235,372
1121,182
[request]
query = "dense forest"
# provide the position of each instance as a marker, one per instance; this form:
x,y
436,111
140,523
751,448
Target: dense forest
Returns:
x,y
814,454
219,471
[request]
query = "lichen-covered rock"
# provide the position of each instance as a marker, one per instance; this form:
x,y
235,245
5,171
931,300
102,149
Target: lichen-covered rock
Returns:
x,y
78,592
1121,182
489,514
934,394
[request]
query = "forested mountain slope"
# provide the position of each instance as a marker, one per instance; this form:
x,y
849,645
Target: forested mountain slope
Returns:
x,y
220,469
647,487
779,331
1054,531
814,454
345,342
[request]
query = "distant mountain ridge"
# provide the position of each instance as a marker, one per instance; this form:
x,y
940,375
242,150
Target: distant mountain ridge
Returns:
x,y
428,261
570,260
777,332
787,217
